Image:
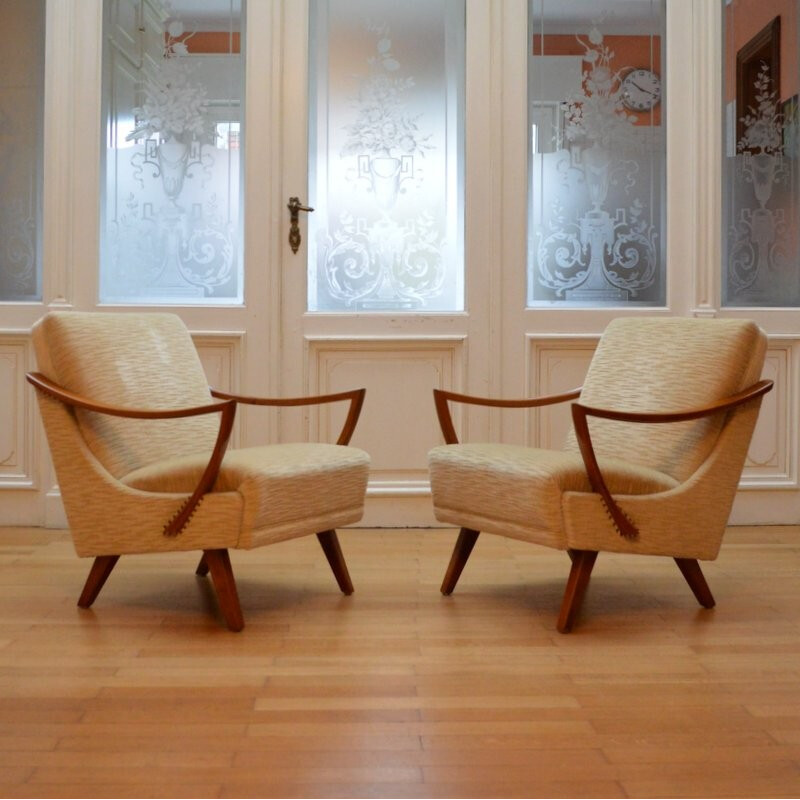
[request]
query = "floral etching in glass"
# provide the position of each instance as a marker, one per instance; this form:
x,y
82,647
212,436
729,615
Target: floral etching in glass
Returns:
x,y
595,193
172,222
385,156
22,36
761,212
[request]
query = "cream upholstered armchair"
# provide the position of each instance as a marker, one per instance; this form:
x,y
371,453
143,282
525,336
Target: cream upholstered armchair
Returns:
x,y
139,446
672,403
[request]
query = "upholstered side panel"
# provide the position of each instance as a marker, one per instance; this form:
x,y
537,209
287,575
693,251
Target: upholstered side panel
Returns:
x,y
131,360
686,522
517,491
107,518
288,489
662,365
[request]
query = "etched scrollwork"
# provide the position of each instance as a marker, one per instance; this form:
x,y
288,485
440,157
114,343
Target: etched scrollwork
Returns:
x,y
18,233
633,255
759,252
382,242
561,261
172,229
598,245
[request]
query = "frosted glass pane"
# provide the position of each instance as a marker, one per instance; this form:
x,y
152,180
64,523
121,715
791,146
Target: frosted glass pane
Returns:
x,y
21,104
386,155
761,167
173,83
596,160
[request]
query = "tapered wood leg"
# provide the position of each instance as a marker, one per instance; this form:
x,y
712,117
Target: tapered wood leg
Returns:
x,y
333,552
461,552
690,570
202,567
101,569
219,564
579,574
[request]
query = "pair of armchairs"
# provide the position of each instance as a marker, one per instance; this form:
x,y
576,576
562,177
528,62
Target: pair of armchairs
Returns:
x,y
143,465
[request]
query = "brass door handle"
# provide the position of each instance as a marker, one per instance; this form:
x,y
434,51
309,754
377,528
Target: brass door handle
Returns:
x,y
295,206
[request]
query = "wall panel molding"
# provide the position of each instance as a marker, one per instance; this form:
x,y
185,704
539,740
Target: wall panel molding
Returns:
x,y
772,458
554,364
222,355
398,423
18,431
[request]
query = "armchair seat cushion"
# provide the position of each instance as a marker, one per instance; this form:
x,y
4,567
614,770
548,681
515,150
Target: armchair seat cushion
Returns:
x,y
288,489
517,491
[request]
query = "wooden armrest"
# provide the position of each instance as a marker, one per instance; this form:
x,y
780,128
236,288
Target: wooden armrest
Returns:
x,y
751,393
77,401
227,408
580,413
355,396
441,398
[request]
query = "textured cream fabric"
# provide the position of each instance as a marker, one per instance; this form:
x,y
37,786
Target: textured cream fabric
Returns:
x,y
280,484
665,365
108,518
265,494
687,522
692,468
497,487
131,360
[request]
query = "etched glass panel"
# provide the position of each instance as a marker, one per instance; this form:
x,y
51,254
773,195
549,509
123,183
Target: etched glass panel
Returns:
x,y
22,24
761,166
386,155
596,171
173,85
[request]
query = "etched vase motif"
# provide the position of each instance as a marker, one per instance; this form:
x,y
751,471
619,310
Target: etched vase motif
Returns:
x,y
385,179
386,247
757,245
173,159
600,245
763,172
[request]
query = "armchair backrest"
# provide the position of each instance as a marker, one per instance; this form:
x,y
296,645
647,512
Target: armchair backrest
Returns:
x,y
667,365
134,360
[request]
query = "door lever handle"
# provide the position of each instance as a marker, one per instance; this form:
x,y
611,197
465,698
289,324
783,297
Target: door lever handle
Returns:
x,y
295,207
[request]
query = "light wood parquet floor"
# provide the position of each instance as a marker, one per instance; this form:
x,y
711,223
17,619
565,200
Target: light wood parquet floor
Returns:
x,y
397,691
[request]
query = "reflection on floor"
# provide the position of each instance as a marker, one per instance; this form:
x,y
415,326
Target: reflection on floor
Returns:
x,y
397,691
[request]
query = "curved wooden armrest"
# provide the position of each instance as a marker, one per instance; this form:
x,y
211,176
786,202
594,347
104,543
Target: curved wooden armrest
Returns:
x,y
227,408
580,414
77,401
441,398
355,396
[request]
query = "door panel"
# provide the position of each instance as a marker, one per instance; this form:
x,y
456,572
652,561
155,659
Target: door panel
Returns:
x,y
388,332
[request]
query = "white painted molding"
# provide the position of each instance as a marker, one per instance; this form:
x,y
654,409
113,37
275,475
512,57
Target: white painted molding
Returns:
x,y
54,515
19,444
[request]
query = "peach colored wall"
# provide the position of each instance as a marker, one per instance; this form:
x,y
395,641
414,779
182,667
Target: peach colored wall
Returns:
x,y
211,42
629,51
743,20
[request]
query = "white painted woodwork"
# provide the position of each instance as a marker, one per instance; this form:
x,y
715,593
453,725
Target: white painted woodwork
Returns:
x,y
270,346
399,357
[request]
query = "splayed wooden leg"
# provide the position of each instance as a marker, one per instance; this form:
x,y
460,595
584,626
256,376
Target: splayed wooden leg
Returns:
x,y
98,574
690,570
461,552
333,552
219,563
579,574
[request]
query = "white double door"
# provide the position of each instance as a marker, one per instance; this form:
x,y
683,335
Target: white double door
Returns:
x,y
498,346
272,345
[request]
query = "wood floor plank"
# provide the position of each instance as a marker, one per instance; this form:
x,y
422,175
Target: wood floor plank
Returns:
x,y
397,691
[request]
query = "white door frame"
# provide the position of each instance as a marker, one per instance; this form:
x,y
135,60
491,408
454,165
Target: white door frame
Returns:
x,y
416,352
